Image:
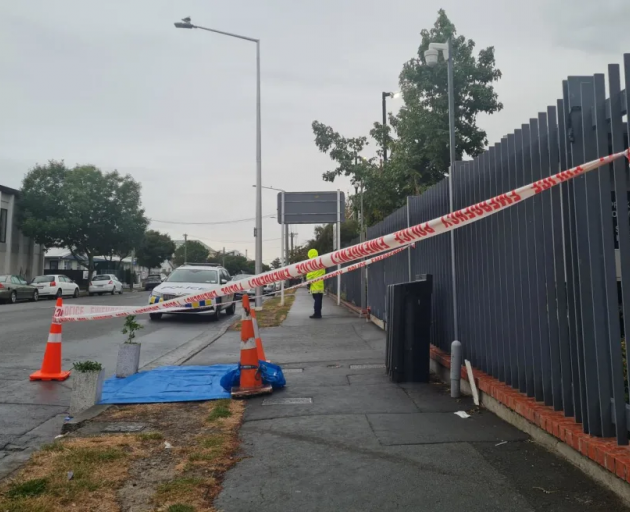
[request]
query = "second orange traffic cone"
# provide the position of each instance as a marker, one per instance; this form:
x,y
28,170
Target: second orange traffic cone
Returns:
x,y
51,365
251,383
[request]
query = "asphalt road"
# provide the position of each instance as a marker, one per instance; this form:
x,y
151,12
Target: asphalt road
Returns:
x,y
31,413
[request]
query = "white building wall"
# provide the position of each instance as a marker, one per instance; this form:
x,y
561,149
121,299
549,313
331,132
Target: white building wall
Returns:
x,y
18,254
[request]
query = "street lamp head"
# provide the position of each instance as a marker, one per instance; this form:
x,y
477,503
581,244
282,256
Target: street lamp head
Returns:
x,y
185,23
396,95
431,56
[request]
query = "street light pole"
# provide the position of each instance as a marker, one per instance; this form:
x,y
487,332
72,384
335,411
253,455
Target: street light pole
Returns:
x,y
185,23
431,58
386,95
185,248
284,233
258,266
451,129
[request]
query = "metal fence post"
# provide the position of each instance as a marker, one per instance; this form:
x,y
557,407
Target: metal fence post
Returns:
x,y
456,368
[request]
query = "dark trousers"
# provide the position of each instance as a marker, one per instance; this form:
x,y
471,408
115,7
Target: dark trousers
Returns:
x,y
317,297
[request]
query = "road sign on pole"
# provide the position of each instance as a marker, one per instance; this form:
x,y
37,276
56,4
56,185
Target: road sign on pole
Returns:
x,y
312,207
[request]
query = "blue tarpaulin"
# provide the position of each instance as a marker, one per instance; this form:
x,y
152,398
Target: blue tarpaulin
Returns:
x,y
168,384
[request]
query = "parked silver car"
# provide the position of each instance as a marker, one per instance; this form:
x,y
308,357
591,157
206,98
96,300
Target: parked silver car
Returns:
x,y
14,288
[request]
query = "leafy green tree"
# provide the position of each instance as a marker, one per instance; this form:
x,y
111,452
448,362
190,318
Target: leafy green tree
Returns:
x,y
418,136
422,124
275,264
235,263
192,251
155,248
299,253
88,211
323,240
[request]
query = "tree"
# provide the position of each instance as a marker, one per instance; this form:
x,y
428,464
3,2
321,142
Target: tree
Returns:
x,y
275,264
323,240
193,251
235,263
422,123
418,136
88,211
126,222
155,248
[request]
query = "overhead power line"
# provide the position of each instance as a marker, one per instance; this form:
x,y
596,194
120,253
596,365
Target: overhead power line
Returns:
x,y
210,223
233,241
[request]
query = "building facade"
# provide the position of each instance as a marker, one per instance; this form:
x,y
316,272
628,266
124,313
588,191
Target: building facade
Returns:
x,y
19,254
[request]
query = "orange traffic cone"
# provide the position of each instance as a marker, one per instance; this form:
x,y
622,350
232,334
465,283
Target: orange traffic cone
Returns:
x,y
259,345
51,365
251,383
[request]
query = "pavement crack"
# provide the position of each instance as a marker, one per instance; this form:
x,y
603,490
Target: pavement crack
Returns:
x,y
354,328
395,459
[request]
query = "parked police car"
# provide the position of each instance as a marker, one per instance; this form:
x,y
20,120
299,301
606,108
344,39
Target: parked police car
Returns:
x,y
192,279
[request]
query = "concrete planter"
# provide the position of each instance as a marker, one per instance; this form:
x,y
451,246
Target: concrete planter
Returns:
x,y
87,388
128,360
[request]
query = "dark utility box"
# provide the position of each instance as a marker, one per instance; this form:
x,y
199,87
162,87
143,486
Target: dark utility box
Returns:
x,y
408,324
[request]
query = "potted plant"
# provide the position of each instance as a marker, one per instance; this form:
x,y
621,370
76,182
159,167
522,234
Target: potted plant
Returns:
x,y
87,386
129,351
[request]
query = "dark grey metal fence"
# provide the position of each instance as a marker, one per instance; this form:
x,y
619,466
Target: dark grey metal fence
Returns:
x,y
540,285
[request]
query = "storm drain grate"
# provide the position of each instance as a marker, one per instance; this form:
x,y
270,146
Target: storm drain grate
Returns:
x,y
292,370
287,401
365,366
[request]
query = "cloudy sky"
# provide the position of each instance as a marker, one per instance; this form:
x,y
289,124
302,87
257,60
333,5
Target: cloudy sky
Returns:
x,y
115,84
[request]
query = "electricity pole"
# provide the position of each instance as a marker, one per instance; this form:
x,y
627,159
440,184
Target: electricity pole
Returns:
x,y
185,248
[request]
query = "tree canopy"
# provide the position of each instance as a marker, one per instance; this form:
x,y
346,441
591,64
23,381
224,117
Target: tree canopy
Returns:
x,y
323,240
88,211
417,138
155,248
192,251
235,263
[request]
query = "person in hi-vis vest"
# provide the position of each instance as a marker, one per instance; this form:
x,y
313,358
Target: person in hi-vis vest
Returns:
x,y
317,289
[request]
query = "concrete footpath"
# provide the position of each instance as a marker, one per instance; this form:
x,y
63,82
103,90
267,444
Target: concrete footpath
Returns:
x,y
342,437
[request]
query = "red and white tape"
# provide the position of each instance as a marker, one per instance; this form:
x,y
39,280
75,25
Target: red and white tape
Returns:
x,y
78,313
350,268
394,240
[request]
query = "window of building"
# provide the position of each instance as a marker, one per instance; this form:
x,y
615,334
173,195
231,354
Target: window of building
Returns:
x,y
3,224
54,264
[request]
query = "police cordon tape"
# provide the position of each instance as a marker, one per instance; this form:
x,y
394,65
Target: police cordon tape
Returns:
x,y
350,268
394,240
81,313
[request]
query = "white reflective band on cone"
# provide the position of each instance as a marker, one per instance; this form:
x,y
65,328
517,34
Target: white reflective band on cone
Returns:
x,y
54,338
256,331
248,345
395,240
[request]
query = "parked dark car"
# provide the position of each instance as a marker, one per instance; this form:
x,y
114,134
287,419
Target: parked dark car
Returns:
x,y
15,288
152,281
251,292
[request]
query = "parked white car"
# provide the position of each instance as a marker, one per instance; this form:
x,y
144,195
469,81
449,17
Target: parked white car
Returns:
x,y
105,283
191,279
55,285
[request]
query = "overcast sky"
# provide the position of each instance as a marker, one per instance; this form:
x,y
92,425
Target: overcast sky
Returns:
x,y
116,85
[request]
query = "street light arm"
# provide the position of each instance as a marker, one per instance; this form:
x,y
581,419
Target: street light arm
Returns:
x,y
190,25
